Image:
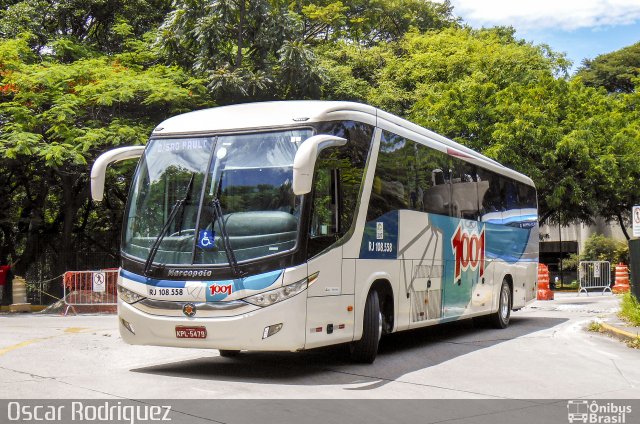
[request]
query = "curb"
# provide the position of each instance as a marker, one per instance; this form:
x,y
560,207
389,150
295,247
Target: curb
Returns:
x,y
618,332
34,308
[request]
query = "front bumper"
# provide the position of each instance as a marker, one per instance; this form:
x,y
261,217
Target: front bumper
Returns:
x,y
238,332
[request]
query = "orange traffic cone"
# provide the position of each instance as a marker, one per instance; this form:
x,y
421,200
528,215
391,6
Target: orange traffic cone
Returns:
x,y
622,279
544,292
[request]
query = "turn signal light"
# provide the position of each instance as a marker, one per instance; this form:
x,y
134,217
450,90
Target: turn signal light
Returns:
x,y
271,330
128,326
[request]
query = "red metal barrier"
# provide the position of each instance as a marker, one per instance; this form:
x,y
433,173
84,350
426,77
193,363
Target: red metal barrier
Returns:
x,y
90,291
544,291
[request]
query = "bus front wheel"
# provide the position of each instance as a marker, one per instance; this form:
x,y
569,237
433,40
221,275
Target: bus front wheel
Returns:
x,y
366,349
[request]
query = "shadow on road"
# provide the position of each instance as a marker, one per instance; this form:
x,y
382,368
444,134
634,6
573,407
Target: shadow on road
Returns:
x,y
400,354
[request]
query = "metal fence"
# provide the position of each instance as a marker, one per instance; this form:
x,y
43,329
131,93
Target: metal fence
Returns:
x,y
594,275
90,288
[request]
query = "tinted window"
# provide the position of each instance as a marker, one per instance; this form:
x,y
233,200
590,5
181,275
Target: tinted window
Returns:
x,y
337,183
464,190
509,193
390,190
411,176
527,196
489,195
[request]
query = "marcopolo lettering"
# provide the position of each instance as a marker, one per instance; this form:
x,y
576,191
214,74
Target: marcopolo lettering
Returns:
x,y
189,273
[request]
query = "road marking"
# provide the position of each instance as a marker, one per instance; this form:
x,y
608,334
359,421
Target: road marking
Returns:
x,y
21,344
76,329
69,330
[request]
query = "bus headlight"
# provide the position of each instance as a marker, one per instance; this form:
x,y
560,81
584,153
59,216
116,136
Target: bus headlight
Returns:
x,y
129,296
282,293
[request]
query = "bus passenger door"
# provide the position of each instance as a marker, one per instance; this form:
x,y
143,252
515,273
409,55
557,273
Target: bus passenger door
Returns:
x,y
324,257
329,319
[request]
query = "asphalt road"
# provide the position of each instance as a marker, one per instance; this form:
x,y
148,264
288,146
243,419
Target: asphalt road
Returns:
x,y
545,353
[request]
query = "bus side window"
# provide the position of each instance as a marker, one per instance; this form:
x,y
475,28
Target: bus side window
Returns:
x,y
489,197
464,191
527,196
434,171
528,205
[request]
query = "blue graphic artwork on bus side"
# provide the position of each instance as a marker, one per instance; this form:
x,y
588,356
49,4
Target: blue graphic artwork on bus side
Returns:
x,y
206,239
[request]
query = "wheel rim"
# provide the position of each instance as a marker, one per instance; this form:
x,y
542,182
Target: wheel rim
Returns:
x,y
504,303
380,318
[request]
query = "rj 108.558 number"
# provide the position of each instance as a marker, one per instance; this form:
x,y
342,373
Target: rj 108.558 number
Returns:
x,y
165,292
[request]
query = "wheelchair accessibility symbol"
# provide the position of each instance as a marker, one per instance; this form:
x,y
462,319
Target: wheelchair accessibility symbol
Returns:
x,y
206,239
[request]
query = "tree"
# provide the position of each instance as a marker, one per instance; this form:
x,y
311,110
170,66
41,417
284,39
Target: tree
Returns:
x,y
601,248
247,50
56,118
89,22
614,71
512,101
369,22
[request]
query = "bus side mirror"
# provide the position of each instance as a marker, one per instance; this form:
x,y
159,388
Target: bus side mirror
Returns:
x,y
305,160
99,168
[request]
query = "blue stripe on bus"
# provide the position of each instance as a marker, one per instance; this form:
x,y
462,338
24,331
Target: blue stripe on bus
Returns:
x,y
254,282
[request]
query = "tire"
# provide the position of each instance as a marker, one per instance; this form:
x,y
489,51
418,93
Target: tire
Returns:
x,y
229,353
366,349
500,319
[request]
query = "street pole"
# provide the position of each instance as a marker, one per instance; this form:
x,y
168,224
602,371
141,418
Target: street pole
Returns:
x,y
560,237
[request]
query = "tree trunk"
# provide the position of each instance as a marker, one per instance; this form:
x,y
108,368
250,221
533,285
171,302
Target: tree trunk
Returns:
x,y
33,216
621,222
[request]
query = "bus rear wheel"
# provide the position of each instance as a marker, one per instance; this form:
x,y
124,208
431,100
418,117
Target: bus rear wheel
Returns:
x,y
366,349
229,353
500,319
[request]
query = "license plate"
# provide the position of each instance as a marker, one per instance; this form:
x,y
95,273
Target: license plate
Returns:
x,y
191,332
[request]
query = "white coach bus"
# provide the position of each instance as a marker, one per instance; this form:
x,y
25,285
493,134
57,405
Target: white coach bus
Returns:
x,y
285,226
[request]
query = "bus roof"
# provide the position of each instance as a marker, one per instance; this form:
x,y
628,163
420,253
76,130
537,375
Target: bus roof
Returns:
x,y
263,115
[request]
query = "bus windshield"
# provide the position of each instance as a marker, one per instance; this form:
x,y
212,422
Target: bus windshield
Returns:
x,y
179,180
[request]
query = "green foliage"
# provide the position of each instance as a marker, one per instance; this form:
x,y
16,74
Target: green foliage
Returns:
x,y
246,51
614,71
512,101
61,112
630,309
369,22
90,22
58,112
79,77
571,263
601,248
595,327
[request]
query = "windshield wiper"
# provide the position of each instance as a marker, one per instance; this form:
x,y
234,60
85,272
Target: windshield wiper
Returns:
x,y
225,238
177,207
